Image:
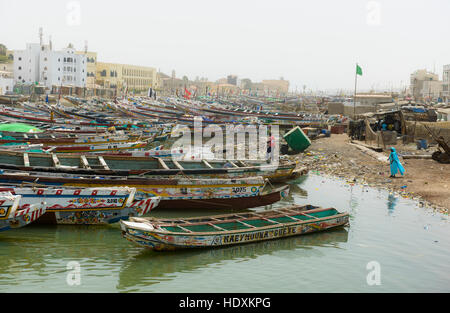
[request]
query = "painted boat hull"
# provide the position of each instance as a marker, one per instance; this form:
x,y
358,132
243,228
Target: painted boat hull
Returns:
x,y
199,193
12,217
160,241
89,206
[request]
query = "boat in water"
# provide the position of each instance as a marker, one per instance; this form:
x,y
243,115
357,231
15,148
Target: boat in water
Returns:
x,y
12,216
88,206
230,229
177,192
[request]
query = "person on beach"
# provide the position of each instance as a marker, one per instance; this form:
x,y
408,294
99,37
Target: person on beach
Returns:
x,y
395,164
270,147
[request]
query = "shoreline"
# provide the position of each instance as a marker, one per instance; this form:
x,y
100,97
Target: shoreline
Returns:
x,y
424,181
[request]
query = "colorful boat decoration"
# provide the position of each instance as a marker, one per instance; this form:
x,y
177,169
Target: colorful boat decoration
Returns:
x,y
88,206
175,192
230,229
12,216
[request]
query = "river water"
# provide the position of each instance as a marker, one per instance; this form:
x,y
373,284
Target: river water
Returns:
x,y
391,245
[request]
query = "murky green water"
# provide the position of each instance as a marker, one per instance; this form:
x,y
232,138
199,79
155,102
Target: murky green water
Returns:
x,y
411,245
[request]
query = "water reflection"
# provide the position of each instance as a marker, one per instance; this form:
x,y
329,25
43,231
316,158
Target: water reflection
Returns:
x,y
148,267
391,203
44,249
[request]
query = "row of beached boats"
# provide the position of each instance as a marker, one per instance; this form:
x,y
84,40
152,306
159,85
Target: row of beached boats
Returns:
x,y
84,175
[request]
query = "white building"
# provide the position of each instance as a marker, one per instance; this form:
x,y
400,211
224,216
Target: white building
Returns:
x,y
6,78
26,64
40,64
6,82
425,84
446,83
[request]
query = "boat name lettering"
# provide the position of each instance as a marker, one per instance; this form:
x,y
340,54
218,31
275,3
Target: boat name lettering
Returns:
x,y
259,235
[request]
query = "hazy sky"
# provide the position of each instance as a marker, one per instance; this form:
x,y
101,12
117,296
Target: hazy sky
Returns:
x,y
313,43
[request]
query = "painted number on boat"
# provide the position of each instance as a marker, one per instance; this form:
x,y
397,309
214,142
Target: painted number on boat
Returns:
x,y
239,189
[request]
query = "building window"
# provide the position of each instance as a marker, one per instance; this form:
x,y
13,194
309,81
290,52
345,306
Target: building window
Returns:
x,y
20,59
20,67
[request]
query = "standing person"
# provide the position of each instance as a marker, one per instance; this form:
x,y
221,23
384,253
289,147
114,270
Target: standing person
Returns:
x,y
270,147
395,165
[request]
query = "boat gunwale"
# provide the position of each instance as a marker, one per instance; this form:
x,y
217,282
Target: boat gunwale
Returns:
x,y
237,231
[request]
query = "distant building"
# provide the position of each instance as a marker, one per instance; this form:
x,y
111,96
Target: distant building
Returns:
x,y
91,67
6,82
446,83
424,84
39,64
280,86
119,76
373,99
232,80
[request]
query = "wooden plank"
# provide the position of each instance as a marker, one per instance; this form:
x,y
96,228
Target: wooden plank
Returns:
x,y
177,164
84,162
26,160
103,162
163,164
207,164
232,163
309,215
185,229
243,163
217,227
56,162
245,224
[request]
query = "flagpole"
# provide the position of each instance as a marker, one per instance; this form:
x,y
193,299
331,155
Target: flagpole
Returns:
x,y
354,95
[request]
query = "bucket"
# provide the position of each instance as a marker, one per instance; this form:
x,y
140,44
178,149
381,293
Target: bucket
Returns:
x,y
422,144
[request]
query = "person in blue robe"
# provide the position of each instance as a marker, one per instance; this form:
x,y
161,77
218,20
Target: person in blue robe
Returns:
x,y
395,164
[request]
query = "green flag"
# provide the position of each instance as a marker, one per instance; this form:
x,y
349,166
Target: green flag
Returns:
x,y
358,70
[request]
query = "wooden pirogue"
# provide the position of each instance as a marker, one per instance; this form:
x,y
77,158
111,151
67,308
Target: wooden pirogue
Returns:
x,y
230,229
89,206
11,216
123,165
175,192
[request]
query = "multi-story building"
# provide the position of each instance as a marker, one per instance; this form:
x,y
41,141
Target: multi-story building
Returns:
x,y
446,83
39,64
91,67
419,89
26,64
120,76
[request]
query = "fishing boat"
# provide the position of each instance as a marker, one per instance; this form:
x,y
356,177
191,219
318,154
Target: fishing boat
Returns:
x,y
175,192
11,216
230,229
89,206
125,165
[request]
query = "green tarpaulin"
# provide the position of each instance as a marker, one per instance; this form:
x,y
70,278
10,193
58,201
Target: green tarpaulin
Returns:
x,y
20,128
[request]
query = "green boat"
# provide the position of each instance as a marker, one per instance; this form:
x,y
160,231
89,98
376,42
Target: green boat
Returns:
x,y
230,229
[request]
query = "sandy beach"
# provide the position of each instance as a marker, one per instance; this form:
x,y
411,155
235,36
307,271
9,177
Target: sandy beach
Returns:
x,y
424,179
